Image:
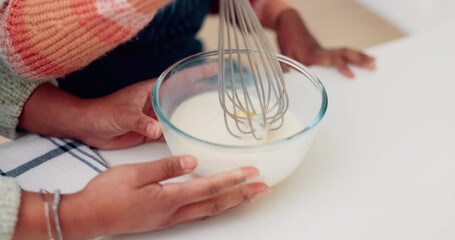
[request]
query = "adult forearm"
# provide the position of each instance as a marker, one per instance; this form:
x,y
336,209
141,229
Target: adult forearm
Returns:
x,y
74,220
31,222
53,112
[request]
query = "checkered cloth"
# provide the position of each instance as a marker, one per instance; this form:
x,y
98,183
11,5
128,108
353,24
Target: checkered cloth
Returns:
x,y
50,163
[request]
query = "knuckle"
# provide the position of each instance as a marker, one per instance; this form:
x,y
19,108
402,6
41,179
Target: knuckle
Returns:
x,y
171,221
125,169
171,168
140,122
213,190
339,63
133,174
145,91
129,173
244,193
173,202
215,208
116,121
237,181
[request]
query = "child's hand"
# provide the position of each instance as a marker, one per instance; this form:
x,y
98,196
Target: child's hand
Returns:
x,y
295,41
126,118
122,119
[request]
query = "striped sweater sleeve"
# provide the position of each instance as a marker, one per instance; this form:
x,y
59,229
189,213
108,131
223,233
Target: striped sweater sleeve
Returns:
x,y
42,39
14,92
10,195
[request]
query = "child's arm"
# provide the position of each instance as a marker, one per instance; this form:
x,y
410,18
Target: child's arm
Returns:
x,y
266,10
42,39
296,41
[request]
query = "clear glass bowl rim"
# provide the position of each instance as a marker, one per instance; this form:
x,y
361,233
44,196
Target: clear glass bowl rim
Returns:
x,y
281,58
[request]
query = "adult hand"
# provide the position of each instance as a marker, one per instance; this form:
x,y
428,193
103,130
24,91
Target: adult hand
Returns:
x,y
130,198
295,41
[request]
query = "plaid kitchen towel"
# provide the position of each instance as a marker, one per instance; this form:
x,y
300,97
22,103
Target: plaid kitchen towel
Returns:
x,y
50,163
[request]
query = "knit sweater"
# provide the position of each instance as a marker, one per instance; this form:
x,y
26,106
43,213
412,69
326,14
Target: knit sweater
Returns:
x,y
14,92
42,40
9,206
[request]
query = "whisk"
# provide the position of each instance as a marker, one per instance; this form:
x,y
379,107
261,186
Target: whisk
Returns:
x,y
251,88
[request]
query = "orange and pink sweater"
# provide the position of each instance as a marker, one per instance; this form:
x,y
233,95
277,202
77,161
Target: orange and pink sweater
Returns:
x,y
42,39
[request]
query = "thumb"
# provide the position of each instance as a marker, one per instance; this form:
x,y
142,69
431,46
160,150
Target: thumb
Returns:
x,y
141,123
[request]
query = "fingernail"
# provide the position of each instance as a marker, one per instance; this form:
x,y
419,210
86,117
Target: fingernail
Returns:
x,y
157,131
371,66
264,192
188,163
150,130
153,130
250,172
261,190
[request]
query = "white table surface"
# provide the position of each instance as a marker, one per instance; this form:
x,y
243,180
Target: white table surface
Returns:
x,y
382,165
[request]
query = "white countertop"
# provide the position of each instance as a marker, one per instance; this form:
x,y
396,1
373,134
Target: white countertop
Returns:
x,y
413,16
382,165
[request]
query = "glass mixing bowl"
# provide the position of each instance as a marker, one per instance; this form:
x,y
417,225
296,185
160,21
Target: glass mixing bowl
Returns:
x,y
276,160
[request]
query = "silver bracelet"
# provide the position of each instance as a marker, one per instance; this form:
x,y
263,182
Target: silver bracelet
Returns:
x,y
56,218
46,213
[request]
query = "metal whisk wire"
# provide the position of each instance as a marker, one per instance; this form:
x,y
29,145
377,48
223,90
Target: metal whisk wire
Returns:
x,y
248,58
